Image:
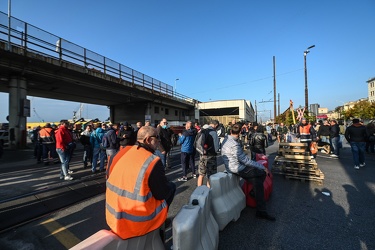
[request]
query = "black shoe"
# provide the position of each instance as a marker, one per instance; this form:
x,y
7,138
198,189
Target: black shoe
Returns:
x,y
264,215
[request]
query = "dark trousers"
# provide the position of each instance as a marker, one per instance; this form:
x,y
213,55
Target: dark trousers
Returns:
x,y
51,149
187,160
256,177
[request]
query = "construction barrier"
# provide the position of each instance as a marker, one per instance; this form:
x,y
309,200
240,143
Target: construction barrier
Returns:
x,y
107,240
194,226
228,200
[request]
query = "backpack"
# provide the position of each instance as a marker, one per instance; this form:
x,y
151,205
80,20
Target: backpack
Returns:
x,y
105,143
203,142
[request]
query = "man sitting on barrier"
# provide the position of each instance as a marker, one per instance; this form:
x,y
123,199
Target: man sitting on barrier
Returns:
x,y
237,162
138,193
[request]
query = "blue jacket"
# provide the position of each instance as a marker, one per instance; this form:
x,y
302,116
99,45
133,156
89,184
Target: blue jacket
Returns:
x,y
187,140
96,137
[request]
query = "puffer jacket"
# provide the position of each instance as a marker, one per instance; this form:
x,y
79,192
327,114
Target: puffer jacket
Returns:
x,y
234,157
258,143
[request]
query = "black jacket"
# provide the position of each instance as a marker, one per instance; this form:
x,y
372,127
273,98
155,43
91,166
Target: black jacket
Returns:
x,y
356,133
334,131
258,143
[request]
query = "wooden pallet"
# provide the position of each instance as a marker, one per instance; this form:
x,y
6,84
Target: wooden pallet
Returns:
x,y
317,179
296,163
298,171
292,150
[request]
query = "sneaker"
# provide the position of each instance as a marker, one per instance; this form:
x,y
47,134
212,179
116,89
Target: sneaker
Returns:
x,y
70,171
334,156
182,179
362,165
195,176
356,167
68,178
61,177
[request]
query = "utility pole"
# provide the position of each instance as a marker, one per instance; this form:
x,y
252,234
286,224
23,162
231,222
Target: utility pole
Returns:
x,y
274,89
306,87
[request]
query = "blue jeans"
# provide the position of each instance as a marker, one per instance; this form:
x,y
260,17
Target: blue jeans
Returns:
x,y
358,151
87,154
324,138
335,145
64,156
97,152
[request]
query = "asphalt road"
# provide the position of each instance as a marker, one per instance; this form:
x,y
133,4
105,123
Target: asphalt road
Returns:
x,y
306,218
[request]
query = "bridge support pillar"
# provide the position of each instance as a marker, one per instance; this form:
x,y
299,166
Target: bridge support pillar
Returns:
x,y
17,118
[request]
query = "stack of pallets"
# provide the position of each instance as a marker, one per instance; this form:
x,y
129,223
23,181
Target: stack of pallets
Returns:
x,y
294,162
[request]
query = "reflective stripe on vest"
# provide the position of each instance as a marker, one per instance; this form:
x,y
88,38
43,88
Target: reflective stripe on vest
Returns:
x,y
124,215
135,195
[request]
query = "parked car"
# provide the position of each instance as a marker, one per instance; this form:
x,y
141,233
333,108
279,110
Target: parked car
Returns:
x,y
4,136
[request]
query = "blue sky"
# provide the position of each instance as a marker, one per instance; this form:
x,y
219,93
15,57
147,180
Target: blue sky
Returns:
x,y
220,49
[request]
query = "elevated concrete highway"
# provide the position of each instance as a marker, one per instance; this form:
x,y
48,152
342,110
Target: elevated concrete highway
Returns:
x,y
36,63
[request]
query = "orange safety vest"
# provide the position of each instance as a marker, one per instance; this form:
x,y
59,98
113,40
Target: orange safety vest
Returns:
x,y
131,210
304,132
47,136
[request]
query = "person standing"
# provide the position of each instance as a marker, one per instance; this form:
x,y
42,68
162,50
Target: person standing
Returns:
x,y
126,135
138,173
96,139
323,132
370,142
64,148
237,162
186,140
208,163
258,142
306,134
87,149
165,141
46,138
113,140
356,136
281,133
334,139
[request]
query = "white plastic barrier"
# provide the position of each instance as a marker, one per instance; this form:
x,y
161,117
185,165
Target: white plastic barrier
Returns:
x,y
228,199
107,240
194,227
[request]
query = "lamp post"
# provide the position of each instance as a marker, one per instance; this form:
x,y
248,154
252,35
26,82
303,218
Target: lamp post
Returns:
x,y
306,88
175,86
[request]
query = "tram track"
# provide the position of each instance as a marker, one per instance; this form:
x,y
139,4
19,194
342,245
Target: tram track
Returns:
x,y
20,210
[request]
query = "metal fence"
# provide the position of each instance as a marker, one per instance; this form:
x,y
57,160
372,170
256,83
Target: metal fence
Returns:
x,y
35,40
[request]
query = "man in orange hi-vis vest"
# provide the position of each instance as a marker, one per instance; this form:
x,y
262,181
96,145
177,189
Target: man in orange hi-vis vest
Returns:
x,y
138,193
306,133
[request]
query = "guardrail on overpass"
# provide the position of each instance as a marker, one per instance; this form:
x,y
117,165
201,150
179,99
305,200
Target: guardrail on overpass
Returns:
x,y
38,41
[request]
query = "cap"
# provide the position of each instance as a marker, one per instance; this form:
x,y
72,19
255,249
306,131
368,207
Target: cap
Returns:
x,y
126,124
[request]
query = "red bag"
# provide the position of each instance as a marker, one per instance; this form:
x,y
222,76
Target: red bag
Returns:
x,y
247,187
261,157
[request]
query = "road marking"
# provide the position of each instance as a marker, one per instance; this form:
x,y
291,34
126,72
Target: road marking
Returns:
x,y
61,233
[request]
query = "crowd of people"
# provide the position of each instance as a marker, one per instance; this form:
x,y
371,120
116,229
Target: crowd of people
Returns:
x,y
138,158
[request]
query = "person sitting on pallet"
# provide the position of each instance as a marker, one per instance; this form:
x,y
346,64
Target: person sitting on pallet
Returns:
x,y
306,133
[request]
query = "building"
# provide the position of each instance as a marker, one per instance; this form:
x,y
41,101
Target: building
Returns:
x,y
226,111
314,109
371,89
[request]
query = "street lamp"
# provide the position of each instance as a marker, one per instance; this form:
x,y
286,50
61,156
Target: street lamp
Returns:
x,y
306,88
175,85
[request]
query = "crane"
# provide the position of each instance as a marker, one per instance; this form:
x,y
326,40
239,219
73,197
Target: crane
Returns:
x,y
40,119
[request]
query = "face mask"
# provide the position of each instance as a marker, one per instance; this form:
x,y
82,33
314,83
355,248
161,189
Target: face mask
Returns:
x,y
164,126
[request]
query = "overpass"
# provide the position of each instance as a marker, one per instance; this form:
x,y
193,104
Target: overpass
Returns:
x,y
37,63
